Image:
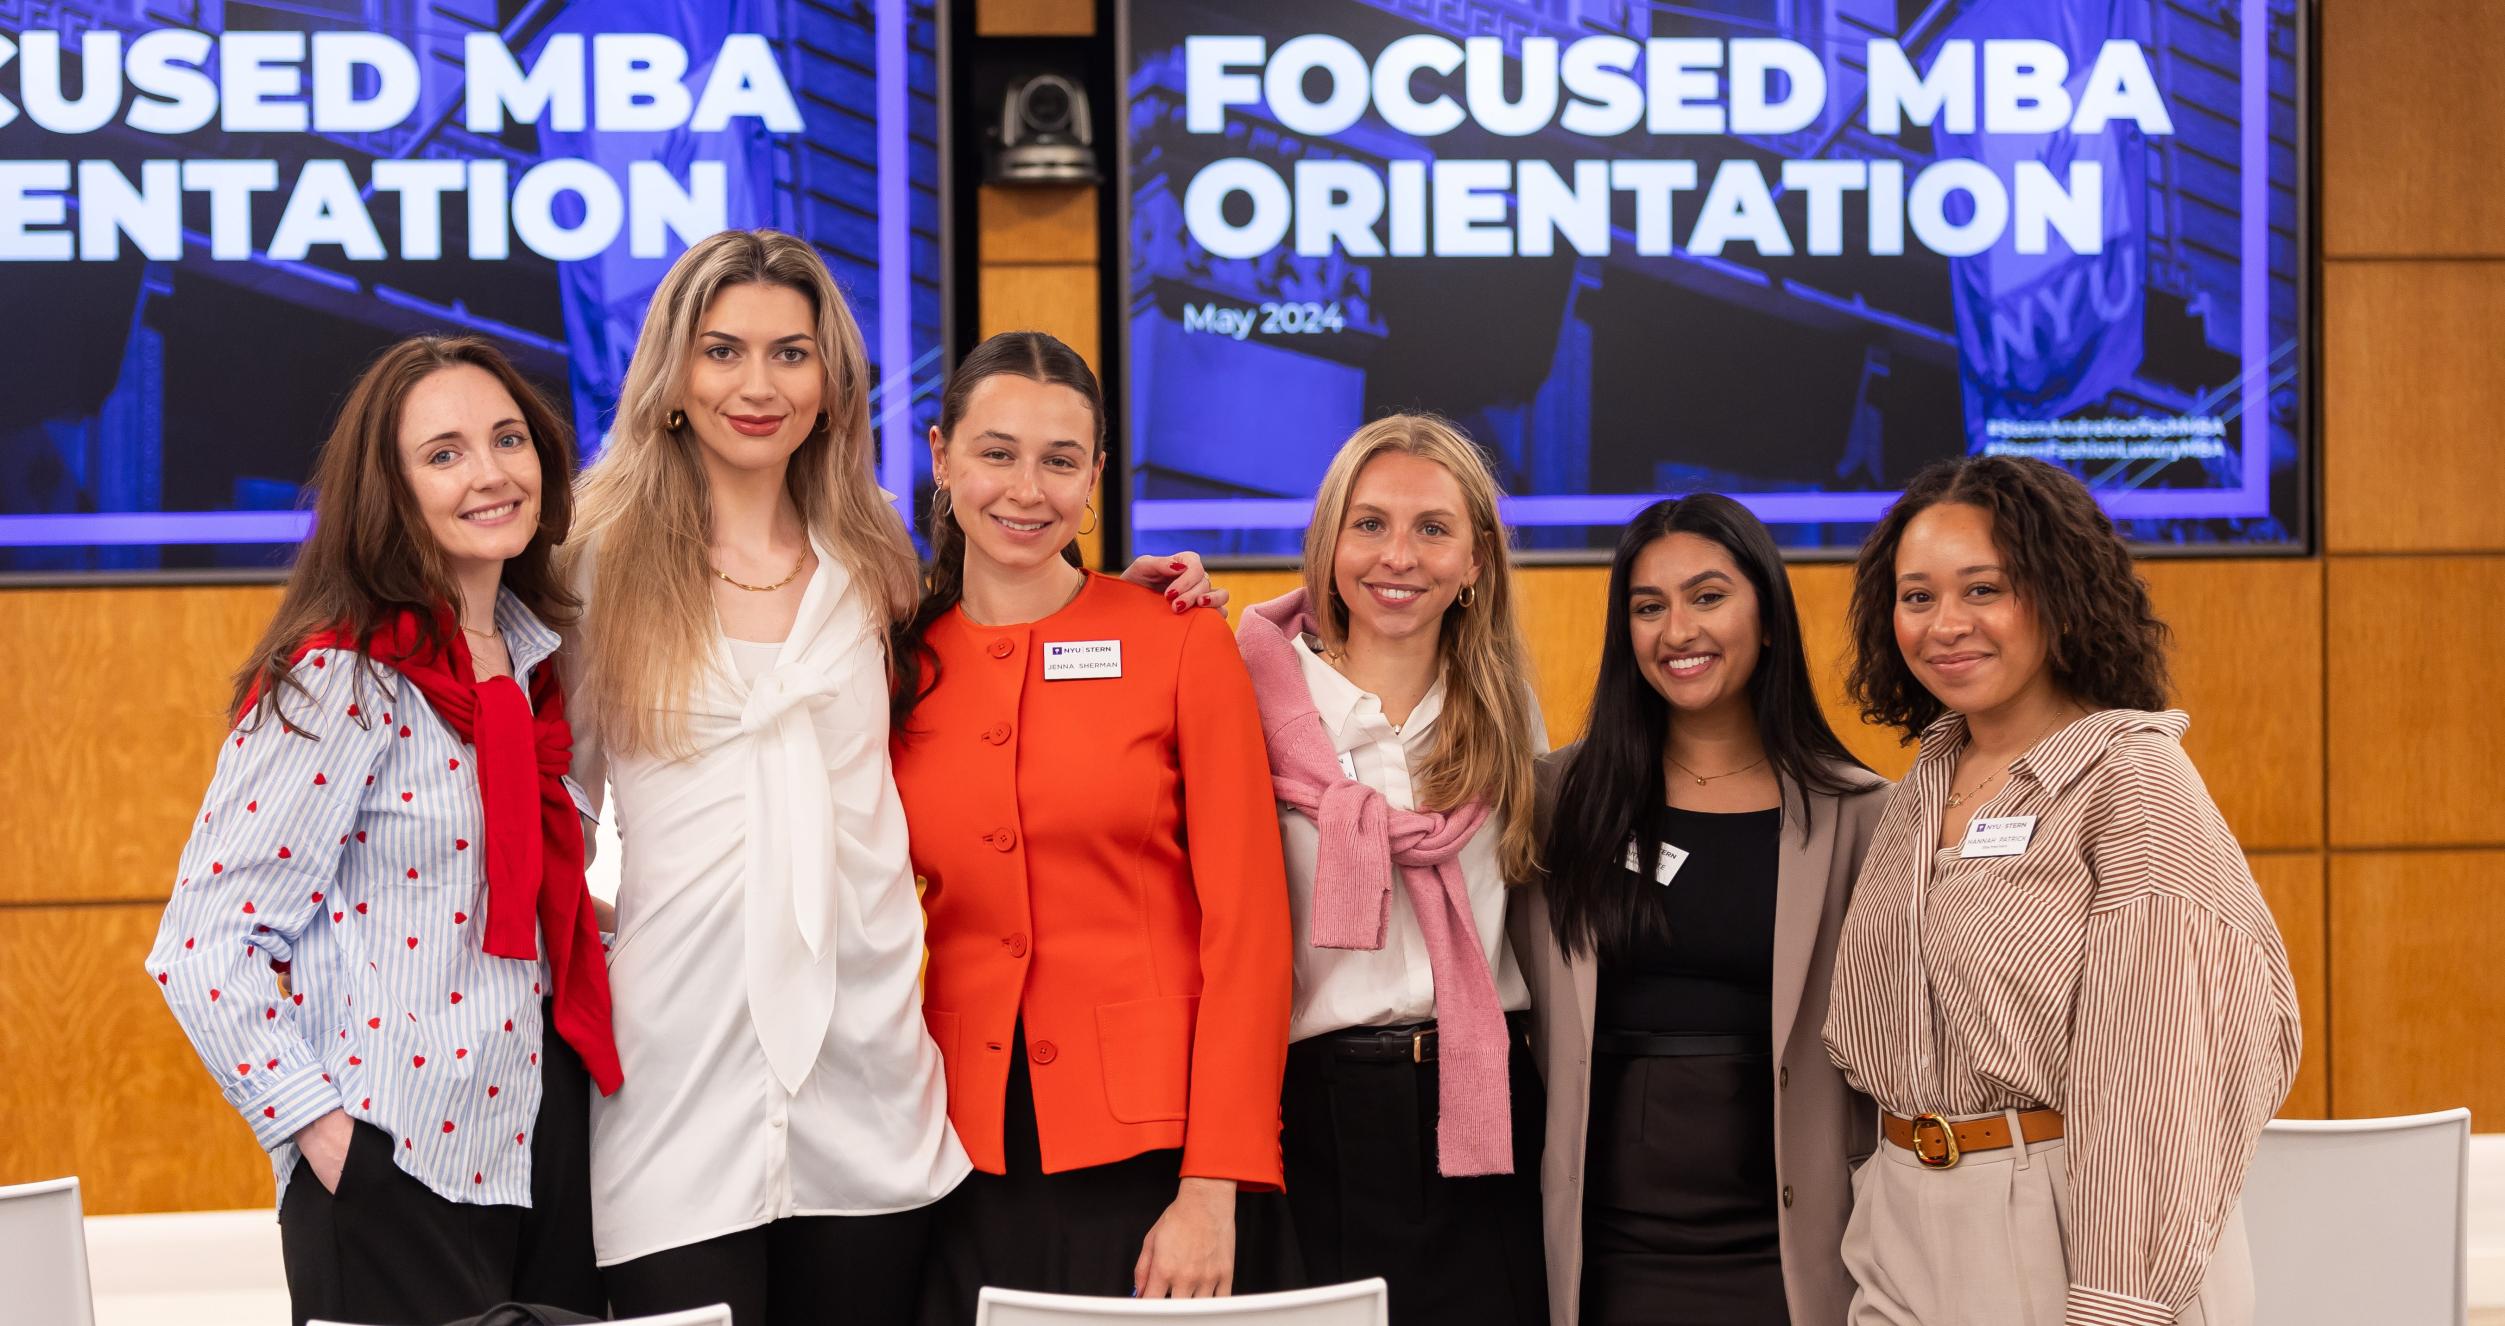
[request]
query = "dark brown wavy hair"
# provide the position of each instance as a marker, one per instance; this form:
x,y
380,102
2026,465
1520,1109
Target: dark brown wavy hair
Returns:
x,y
2065,559
370,555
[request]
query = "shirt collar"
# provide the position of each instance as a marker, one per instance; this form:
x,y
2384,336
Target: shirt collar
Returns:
x,y
2058,762
527,639
1335,697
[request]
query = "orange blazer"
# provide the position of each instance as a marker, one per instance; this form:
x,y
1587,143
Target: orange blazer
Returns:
x,y
1099,855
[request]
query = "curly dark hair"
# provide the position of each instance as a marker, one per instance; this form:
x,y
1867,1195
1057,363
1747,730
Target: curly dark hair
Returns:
x,y
2063,554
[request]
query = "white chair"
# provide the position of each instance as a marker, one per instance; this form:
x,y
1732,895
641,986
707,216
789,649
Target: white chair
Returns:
x,y
1360,1303
199,1268
43,1254
717,1315
2360,1220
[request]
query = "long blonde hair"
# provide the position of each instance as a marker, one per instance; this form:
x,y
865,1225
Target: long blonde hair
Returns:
x,y
643,505
1483,746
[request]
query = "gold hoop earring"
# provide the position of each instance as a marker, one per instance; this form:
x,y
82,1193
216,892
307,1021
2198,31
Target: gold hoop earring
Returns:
x,y
1091,515
674,420
1469,594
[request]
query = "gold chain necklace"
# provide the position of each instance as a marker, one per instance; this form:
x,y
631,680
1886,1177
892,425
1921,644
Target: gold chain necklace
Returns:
x,y
1702,779
1956,799
767,589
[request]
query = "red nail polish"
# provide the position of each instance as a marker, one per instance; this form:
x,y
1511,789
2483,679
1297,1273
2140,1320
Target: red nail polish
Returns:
x,y
1175,565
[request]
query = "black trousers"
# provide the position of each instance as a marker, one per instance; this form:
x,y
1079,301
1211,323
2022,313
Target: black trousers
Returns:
x,y
1079,1231
805,1271
387,1250
1361,1180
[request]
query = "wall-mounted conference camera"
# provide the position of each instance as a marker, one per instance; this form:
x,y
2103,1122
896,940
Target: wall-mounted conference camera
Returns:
x,y
1046,135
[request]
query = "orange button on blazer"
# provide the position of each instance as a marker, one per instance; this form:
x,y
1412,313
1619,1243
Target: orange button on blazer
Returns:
x,y
1101,857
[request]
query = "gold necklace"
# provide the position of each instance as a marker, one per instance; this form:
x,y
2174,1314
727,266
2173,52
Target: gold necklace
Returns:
x,y
767,589
483,635
1956,799
1702,779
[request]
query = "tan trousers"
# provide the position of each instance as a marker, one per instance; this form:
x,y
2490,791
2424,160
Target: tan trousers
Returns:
x,y
1980,1244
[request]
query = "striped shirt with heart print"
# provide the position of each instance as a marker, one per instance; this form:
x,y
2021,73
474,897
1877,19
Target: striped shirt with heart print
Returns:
x,y
353,854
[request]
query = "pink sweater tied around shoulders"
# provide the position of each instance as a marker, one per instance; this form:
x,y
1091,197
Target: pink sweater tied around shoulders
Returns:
x,y
1362,840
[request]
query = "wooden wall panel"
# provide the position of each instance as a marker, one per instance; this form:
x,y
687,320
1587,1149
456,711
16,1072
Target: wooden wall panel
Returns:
x,y
1059,298
2416,736
2411,399
2248,668
112,714
96,1079
1822,592
2292,883
1032,224
2416,940
1034,18
2410,131
1563,611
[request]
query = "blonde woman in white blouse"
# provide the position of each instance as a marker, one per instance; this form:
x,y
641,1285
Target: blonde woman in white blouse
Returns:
x,y
787,1132
2057,977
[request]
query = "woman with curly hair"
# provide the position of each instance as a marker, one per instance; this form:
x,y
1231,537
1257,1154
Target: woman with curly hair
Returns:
x,y
2057,977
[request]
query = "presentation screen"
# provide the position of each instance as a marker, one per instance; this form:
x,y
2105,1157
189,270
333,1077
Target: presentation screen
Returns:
x,y
206,231
1788,250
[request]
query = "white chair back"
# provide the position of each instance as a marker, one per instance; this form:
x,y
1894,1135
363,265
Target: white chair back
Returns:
x,y
43,1254
1361,1303
2360,1220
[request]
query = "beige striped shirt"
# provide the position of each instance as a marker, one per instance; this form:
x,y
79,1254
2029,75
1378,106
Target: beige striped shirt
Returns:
x,y
2122,969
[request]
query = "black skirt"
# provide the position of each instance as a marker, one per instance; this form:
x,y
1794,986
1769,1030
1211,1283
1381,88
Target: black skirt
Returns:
x,y
1680,1219
1079,1231
1362,1182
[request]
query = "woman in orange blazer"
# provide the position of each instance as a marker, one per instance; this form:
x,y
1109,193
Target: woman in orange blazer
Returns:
x,y
1082,769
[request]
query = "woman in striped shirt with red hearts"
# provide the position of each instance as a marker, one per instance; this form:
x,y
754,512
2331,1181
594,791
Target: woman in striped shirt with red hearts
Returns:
x,y
390,818
2057,977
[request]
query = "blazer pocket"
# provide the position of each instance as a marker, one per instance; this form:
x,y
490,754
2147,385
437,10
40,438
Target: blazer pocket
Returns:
x,y
1146,1048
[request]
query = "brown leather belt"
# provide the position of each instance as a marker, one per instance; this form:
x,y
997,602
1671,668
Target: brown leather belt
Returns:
x,y
1939,1144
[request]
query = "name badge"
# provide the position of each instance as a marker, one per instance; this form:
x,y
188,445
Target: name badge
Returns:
x,y
582,799
1665,868
1075,660
2006,836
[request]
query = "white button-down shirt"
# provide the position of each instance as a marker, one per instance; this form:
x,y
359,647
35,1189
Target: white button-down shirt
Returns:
x,y
768,957
1341,988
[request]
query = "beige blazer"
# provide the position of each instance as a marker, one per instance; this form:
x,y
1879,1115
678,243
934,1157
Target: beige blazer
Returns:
x,y
1822,1127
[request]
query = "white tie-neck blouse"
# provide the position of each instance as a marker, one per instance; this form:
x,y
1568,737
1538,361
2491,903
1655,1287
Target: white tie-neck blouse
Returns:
x,y
768,953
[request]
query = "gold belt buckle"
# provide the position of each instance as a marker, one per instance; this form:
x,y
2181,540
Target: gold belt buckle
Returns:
x,y
1948,1142
1417,1045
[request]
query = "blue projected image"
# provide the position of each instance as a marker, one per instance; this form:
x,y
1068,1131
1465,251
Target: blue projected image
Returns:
x,y
206,231
1790,250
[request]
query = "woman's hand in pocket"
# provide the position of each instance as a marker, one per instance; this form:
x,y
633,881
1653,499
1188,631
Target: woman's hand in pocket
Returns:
x,y
324,1143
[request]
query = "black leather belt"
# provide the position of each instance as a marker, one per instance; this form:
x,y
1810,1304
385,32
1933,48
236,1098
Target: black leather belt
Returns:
x,y
1653,1045
1413,1043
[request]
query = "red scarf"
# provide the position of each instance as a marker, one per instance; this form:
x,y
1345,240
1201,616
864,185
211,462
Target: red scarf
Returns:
x,y
533,836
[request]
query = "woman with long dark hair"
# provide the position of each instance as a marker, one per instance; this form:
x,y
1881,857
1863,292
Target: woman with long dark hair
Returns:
x,y
2058,978
1701,842
1083,773
390,821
